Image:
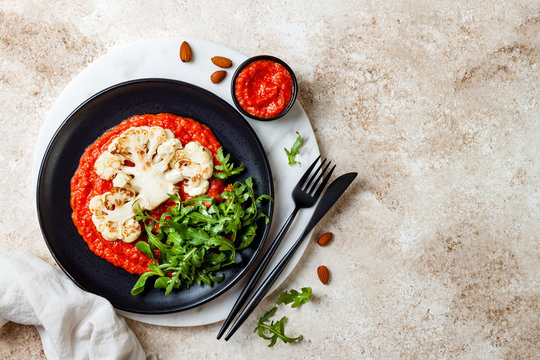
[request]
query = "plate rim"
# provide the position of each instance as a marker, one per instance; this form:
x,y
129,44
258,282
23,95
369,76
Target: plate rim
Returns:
x,y
267,167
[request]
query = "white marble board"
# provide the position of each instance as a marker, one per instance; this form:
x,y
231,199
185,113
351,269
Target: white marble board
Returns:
x,y
159,58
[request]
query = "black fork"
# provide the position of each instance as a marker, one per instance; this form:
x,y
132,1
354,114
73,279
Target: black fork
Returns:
x,y
305,194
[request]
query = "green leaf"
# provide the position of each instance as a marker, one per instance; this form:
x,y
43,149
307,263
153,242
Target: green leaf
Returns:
x,y
155,269
247,237
268,314
294,297
145,249
291,154
173,283
226,169
139,285
154,240
274,330
161,283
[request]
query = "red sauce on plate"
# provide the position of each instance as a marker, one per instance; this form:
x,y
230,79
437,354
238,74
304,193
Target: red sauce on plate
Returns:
x,y
86,184
264,88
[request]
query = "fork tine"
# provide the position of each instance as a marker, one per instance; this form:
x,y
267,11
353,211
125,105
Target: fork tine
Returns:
x,y
313,175
324,182
314,185
308,172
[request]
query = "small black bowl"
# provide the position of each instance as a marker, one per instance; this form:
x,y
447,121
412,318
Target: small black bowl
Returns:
x,y
271,58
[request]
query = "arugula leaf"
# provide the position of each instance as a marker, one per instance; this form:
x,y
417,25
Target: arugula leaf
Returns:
x,y
145,249
197,237
275,330
295,297
139,285
291,154
226,170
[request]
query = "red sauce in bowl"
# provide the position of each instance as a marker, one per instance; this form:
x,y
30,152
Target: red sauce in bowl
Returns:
x,y
264,88
86,184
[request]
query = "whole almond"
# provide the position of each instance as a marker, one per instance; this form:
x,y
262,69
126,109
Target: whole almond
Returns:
x,y
325,238
185,52
222,62
324,274
218,76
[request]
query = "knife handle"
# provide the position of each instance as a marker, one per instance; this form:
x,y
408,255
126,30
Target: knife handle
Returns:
x,y
246,292
267,284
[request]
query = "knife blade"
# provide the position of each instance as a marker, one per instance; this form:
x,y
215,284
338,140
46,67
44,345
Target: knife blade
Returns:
x,y
329,198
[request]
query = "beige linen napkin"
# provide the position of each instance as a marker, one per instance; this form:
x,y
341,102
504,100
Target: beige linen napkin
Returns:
x,y
72,323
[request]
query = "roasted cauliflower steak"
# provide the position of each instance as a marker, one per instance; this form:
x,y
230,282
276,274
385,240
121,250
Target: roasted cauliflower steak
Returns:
x,y
146,162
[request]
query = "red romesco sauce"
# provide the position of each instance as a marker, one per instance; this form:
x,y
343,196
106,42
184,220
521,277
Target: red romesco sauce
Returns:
x,y
264,88
86,184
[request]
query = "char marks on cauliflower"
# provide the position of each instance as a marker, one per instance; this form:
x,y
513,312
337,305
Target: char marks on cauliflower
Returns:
x,y
112,213
195,163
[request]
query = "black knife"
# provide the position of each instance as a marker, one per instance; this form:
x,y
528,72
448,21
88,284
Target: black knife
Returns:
x,y
329,198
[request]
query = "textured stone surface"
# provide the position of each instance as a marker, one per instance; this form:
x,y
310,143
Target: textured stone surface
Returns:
x,y
435,104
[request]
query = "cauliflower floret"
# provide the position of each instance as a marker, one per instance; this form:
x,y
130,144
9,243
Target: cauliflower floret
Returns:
x,y
107,165
112,214
144,154
194,162
147,162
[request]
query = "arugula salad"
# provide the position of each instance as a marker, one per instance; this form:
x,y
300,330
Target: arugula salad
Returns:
x,y
197,237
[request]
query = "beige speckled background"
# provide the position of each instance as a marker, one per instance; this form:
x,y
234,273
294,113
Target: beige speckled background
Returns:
x,y
435,104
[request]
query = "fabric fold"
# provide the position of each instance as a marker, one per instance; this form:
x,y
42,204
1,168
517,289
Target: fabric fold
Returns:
x,y
72,323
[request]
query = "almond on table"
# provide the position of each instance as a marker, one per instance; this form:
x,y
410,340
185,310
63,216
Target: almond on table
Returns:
x,y
324,274
325,239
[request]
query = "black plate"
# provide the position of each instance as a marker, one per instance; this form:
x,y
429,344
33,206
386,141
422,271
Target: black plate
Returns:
x,y
87,123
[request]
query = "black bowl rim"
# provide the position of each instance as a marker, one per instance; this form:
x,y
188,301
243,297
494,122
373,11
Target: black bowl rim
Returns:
x,y
256,252
264,57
